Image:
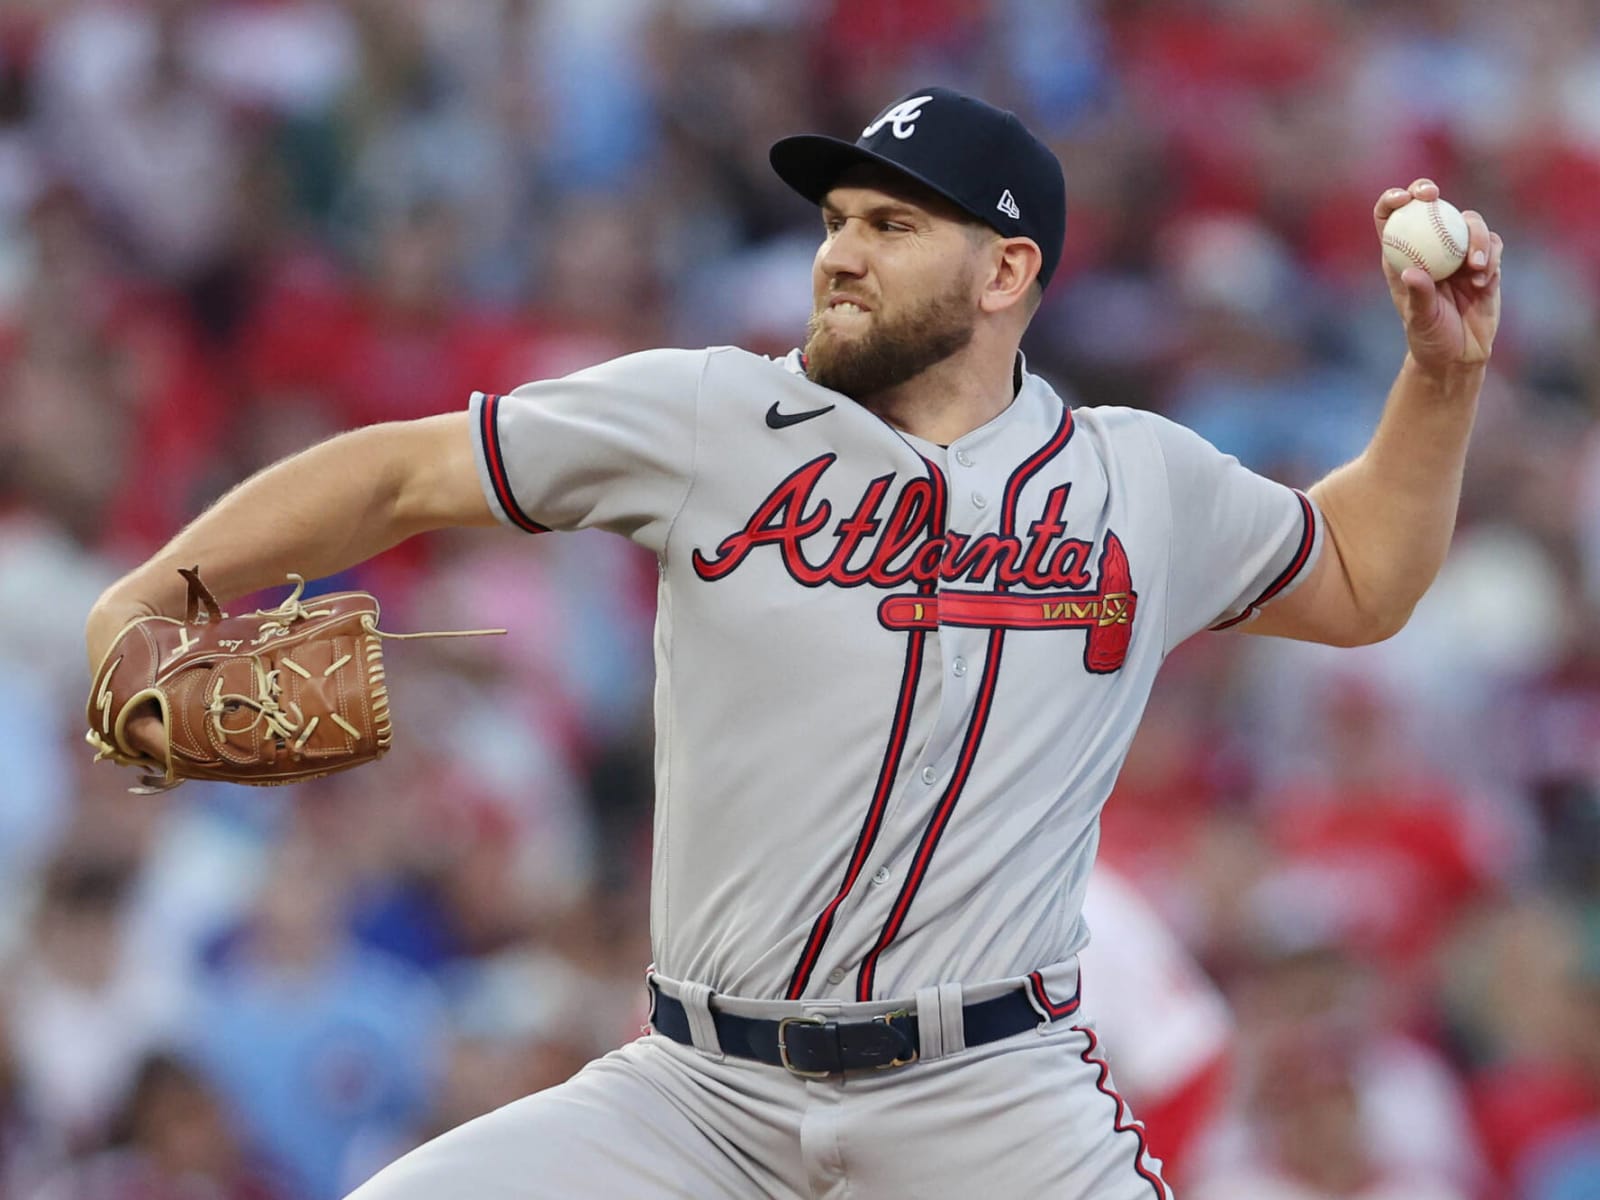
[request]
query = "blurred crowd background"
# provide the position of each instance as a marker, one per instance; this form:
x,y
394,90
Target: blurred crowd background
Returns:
x,y
231,227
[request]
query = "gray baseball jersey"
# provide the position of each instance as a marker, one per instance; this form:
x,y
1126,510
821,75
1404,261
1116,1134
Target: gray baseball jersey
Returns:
x,y
895,681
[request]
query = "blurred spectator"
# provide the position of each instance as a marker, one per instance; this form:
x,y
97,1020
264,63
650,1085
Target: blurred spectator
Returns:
x,y
1333,1100
1536,1083
1557,730
22,178
289,58
395,348
1247,316
526,1019
83,1009
147,141
171,1141
1373,850
1314,1144
325,1049
90,361
27,1148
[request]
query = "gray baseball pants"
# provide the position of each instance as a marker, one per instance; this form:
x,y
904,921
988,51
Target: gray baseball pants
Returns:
x,y
1033,1115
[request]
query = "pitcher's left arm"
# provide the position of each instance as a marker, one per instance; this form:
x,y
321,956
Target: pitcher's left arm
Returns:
x,y
1390,513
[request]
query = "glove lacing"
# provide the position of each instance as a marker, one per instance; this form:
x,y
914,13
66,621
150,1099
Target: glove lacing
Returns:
x,y
288,725
282,724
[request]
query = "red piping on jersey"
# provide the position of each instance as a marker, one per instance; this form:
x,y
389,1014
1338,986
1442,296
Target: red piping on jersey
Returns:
x,y
489,431
1056,1011
940,819
1308,536
1030,468
980,719
1118,1126
887,772
869,829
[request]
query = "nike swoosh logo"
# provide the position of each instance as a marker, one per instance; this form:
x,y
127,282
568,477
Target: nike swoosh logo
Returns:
x,y
780,420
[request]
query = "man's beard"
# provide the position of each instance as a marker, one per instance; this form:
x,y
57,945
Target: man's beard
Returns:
x,y
890,352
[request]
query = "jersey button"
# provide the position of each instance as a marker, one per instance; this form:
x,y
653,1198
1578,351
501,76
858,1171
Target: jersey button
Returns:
x,y
929,774
958,667
963,458
836,975
880,876
979,500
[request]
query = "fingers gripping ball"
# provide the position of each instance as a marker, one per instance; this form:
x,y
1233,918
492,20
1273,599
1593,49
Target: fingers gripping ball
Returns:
x,y
1431,234
267,697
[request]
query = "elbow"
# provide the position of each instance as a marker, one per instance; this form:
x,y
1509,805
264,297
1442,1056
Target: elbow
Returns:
x,y
1374,626
1369,635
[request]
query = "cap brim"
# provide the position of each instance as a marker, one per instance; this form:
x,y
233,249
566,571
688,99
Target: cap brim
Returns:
x,y
811,164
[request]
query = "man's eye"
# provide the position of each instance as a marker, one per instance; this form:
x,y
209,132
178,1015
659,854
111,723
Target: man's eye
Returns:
x,y
893,227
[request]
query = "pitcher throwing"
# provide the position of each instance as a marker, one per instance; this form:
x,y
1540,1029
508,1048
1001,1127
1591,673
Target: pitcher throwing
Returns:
x,y
911,606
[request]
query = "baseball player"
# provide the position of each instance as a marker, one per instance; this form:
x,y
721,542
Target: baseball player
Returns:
x,y
911,605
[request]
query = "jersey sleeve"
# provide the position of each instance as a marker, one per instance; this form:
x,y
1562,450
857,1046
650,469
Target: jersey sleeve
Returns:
x,y
1239,540
610,447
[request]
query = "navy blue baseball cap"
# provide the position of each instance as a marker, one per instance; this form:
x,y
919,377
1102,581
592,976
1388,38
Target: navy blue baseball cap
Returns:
x,y
979,157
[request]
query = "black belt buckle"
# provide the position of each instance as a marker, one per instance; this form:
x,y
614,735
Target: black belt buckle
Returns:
x,y
783,1046
887,1019
876,1044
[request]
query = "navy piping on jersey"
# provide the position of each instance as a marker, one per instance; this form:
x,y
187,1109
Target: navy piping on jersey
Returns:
x,y
1118,1125
1308,536
887,772
489,431
980,719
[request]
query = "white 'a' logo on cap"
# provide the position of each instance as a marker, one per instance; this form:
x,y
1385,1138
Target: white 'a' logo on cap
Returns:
x,y
903,116
1008,205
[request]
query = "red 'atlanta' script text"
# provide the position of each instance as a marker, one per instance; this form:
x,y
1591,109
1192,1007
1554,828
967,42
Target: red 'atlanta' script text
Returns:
x,y
888,549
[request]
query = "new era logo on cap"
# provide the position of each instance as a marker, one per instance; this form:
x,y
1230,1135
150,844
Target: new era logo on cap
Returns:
x,y
967,151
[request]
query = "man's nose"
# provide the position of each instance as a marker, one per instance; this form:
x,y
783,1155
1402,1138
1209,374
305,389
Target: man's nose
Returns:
x,y
844,253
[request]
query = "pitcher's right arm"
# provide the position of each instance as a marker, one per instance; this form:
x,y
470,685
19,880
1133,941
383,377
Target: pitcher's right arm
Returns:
x,y
317,512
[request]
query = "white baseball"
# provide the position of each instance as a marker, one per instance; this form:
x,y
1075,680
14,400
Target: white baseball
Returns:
x,y
1431,234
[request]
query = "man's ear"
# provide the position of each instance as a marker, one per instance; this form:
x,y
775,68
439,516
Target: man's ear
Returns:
x,y
1014,272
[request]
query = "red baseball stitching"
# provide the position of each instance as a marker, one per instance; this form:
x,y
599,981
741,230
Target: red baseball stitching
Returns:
x,y
1445,236
1406,248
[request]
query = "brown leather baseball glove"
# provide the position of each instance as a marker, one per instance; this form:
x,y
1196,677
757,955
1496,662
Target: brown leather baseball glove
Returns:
x,y
269,697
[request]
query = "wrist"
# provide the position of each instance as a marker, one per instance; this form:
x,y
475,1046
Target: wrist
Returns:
x,y
153,589
109,617
1453,378
128,599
